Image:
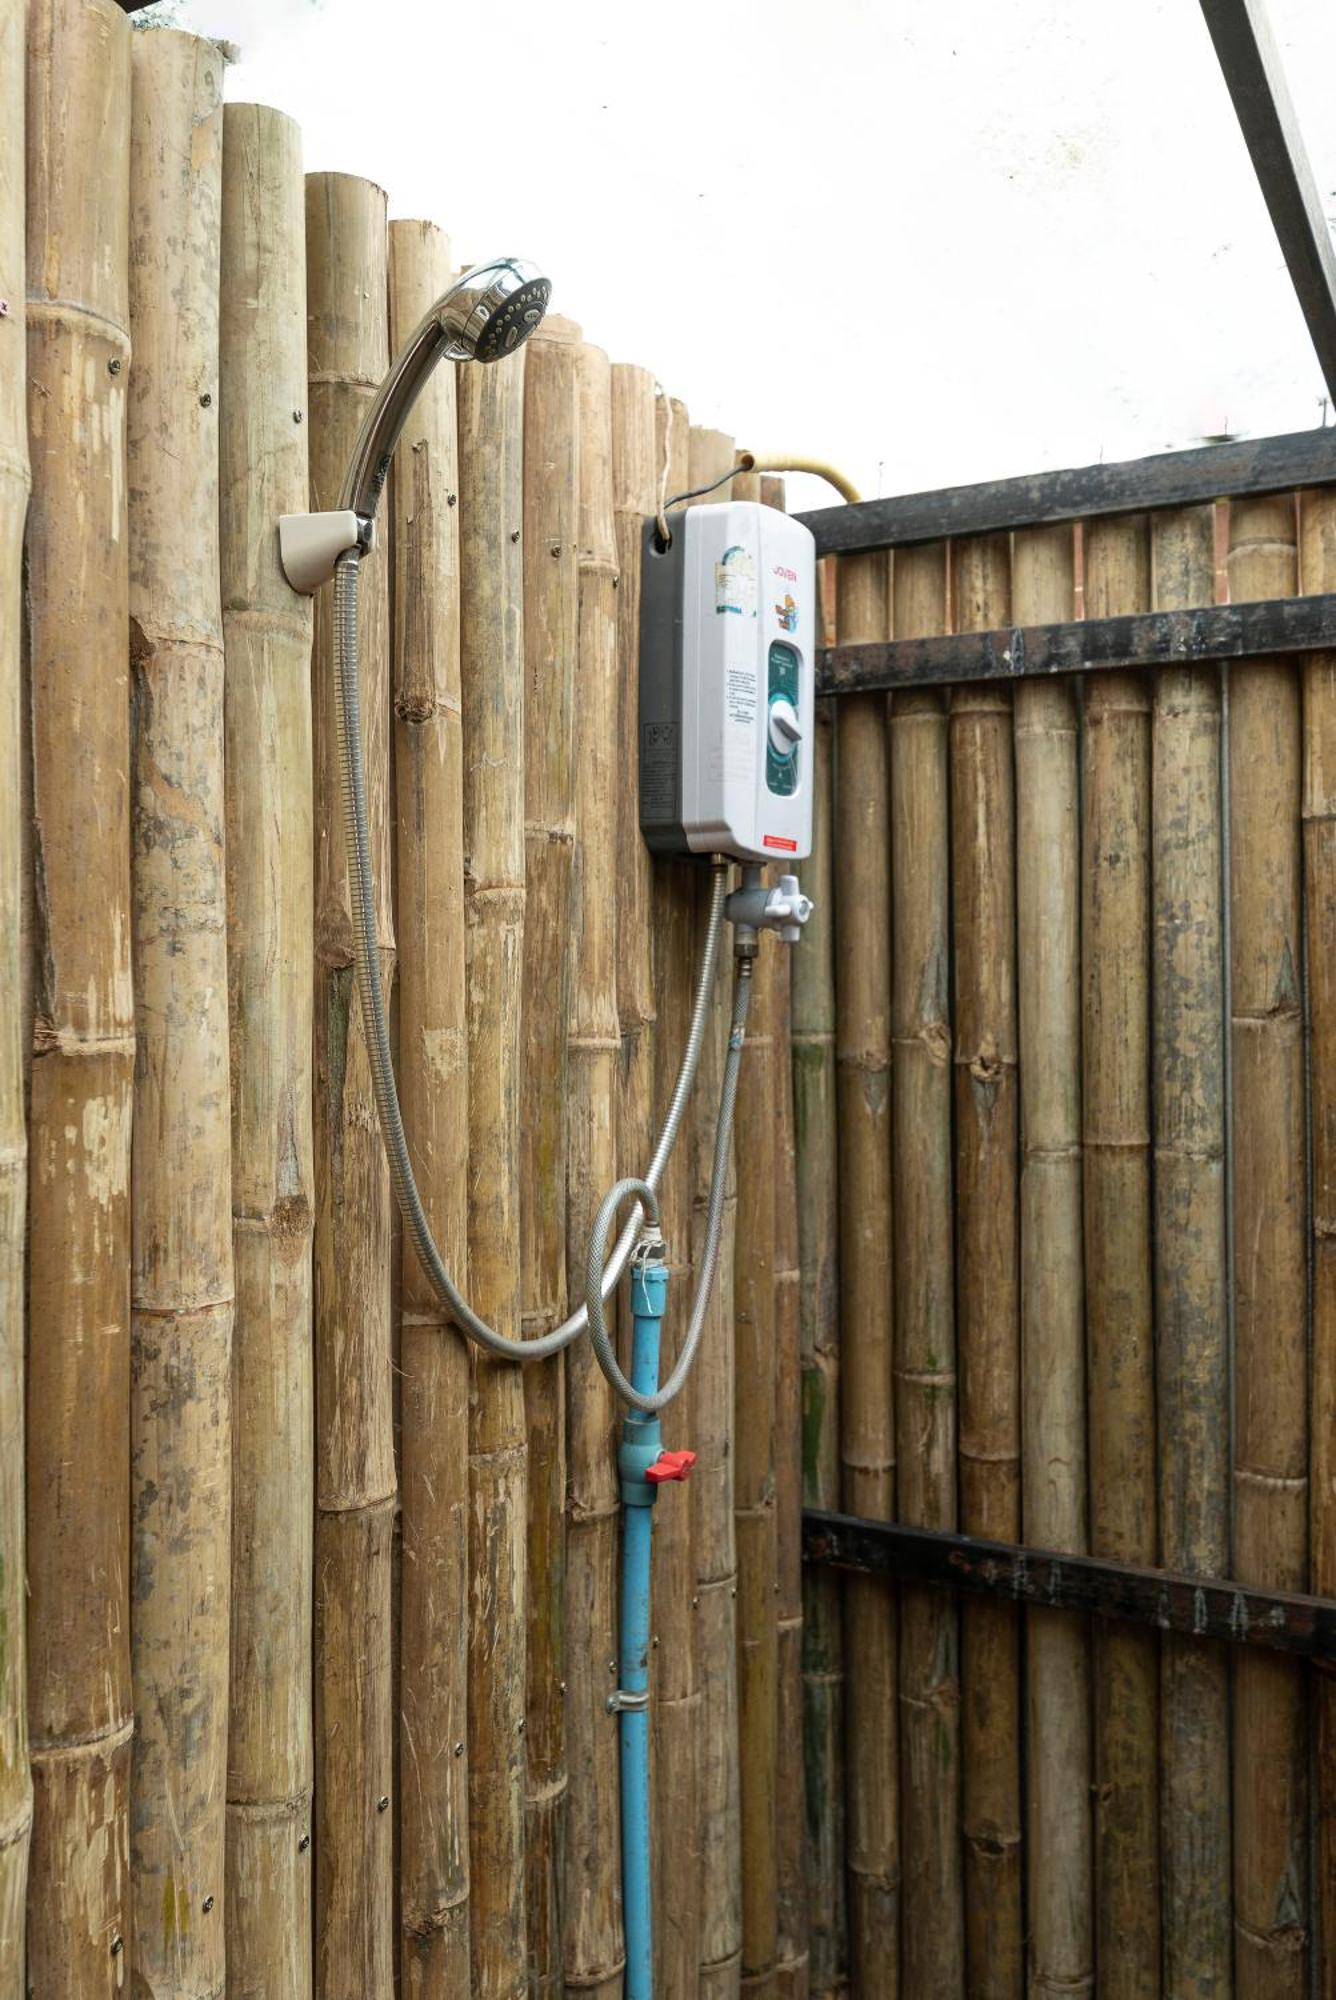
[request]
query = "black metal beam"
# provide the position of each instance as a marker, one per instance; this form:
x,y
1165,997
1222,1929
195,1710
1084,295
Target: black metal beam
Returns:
x,y
1145,639
1200,1606
1252,70
1127,486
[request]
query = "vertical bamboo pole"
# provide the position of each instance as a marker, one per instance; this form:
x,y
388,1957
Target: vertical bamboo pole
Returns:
x,y
433,1082
181,1266
862,834
1053,1426
347,353
1191,1308
15,481
267,713
491,493
592,1872
983,850
1270,1290
676,1696
932,1934
1318,571
709,454
78,1612
813,1063
551,614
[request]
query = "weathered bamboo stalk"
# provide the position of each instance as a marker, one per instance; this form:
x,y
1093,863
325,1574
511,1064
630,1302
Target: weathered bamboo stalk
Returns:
x,y
813,1065
676,1695
1115,975
862,836
267,714
433,1084
1271,1940
1191,1305
983,850
709,454
1053,1428
1318,572
592,1921
551,614
15,481
347,354
181,1264
75,608
491,492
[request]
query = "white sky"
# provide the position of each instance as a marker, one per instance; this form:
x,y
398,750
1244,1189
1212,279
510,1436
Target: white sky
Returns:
x,y
933,240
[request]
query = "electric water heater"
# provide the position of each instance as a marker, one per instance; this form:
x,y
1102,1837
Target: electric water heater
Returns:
x,y
727,659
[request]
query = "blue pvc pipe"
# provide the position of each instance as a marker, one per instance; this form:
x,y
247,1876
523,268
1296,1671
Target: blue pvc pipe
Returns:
x,y
642,1442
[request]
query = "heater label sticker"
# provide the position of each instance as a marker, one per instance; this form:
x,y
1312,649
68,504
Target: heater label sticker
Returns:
x,y
735,583
740,691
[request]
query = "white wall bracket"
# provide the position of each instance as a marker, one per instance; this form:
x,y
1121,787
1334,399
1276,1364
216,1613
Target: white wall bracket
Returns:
x,y
309,545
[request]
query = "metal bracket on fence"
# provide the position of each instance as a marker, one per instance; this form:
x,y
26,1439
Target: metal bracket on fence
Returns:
x,y
619,1702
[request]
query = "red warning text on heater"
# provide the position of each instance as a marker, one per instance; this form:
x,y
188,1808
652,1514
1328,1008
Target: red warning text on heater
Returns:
x,y
778,840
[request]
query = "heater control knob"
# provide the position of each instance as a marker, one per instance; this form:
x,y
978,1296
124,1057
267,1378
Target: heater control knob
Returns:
x,y
785,729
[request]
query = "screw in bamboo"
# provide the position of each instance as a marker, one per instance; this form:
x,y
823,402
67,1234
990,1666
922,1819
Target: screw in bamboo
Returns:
x,y
862,954
491,610
1318,572
813,1067
1115,976
1269,1227
75,610
709,456
347,354
1053,1425
181,1260
983,858
676,1695
592,1920
15,480
1191,1306
267,715
433,1080
551,613
932,1931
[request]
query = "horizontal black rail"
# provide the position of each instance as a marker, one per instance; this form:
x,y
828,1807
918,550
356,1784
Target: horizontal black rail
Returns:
x,y
1143,639
1203,1607
1128,486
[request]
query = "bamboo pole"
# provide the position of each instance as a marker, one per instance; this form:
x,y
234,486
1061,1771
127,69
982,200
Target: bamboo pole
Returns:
x,y
1115,935
1318,572
491,482
983,850
551,581
1191,1305
181,1264
676,1694
1270,1290
813,1068
932,1933
347,354
551,613
78,1613
592,1874
433,1073
709,454
867,1415
267,714
1053,1426
15,482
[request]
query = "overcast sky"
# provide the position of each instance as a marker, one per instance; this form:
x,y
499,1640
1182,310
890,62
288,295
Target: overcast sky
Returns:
x,y
934,240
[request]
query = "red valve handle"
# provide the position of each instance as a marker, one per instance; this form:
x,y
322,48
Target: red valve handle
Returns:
x,y
670,1465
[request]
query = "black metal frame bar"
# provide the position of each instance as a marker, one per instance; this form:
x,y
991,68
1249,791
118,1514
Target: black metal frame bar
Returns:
x,y
1256,81
1203,1607
1127,486
1146,639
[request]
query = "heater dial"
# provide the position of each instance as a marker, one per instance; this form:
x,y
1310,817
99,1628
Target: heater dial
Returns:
x,y
785,729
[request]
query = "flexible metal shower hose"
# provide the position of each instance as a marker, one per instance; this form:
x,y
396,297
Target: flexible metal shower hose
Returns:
x,y
352,771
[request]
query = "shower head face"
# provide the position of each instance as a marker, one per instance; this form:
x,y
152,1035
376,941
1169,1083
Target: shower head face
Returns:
x,y
494,309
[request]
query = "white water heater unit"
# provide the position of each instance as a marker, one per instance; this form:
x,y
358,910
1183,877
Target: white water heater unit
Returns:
x,y
727,664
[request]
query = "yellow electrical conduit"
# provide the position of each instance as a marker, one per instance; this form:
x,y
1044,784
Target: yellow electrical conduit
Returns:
x,y
780,461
